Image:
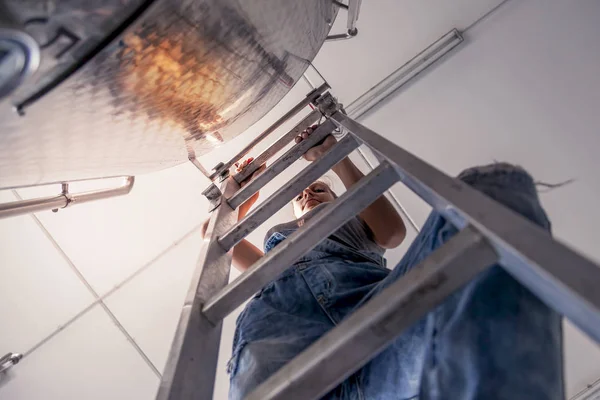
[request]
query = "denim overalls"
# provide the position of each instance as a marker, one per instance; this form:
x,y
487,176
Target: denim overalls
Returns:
x,y
492,339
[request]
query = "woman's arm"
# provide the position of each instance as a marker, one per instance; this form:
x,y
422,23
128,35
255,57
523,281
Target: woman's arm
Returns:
x,y
381,216
244,253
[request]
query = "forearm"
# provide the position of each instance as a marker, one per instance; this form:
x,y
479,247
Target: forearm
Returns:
x,y
381,216
245,254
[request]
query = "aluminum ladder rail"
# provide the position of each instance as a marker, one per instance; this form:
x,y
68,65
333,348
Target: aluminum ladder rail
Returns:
x,y
489,233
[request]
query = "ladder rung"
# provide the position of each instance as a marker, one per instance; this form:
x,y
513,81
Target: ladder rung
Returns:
x,y
295,110
376,324
287,159
279,199
277,146
563,279
360,195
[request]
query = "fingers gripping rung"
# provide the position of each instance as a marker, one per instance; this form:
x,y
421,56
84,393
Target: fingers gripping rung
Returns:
x,y
277,146
363,193
368,330
279,199
281,164
310,98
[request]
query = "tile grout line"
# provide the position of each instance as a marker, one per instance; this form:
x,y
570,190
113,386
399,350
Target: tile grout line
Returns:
x,y
110,292
95,294
130,339
148,264
60,329
99,300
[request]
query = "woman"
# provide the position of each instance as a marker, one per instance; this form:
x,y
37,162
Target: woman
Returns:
x,y
490,340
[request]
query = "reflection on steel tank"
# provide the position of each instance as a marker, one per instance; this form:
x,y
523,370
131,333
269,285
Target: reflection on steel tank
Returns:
x,y
183,78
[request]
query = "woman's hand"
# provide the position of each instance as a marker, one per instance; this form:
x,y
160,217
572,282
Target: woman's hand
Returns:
x,y
244,208
244,254
381,217
317,151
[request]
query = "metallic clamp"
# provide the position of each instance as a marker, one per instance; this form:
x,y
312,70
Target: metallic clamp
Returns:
x,y
9,360
224,174
328,105
66,194
352,8
214,196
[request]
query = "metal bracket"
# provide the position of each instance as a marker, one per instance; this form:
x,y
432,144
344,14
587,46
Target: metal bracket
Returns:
x,y
222,173
328,105
352,9
9,360
67,196
214,196
197,164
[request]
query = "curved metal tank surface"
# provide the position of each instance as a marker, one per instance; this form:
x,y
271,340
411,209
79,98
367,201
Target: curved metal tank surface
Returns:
x,y
182,79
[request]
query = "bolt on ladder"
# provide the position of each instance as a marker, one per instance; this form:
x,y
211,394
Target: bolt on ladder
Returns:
x,y
490,233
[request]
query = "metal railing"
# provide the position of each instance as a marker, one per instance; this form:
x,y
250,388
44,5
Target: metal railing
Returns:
x,y
64,199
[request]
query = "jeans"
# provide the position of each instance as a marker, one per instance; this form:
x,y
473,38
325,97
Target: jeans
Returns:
x,y
492,339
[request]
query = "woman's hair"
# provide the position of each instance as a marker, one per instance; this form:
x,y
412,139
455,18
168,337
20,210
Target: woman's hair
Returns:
x,y
325,180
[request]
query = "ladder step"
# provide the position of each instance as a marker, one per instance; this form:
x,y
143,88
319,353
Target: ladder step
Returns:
x,y
376,324
282,197
560,277
312,96
283,141
363,193
287,159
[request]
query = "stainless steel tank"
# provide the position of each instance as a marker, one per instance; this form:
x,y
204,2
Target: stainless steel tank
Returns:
x,y
128,86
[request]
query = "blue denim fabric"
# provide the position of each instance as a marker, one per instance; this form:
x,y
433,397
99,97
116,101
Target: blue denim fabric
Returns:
x,y
492,339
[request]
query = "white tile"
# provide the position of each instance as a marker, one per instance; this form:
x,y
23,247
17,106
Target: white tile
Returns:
x,y
110,239
89,360
38,290
389,34
150,304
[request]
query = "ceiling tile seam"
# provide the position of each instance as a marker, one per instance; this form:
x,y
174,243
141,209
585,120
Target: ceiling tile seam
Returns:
x,y
160,255
98,299
61,328
101,299
130,339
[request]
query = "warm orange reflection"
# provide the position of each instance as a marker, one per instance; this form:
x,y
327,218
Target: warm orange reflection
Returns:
x,y
180,87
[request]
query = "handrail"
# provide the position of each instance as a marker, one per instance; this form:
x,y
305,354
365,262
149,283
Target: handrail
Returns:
x,y
63,200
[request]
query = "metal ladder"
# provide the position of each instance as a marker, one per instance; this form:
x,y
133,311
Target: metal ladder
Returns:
x,y
490,233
